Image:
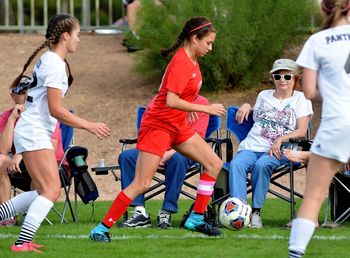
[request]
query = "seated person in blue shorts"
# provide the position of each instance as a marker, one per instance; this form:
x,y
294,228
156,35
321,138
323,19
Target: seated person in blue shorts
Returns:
x,y
279,114
174,165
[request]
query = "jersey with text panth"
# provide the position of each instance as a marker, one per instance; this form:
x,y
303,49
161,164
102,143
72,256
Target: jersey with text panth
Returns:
x,y
183,78
328,53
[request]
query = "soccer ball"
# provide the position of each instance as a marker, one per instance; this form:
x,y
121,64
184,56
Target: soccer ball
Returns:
x,y
234,213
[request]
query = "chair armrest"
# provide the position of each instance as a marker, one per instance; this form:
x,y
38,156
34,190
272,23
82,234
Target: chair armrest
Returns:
x,y
128,141
302,142
217,146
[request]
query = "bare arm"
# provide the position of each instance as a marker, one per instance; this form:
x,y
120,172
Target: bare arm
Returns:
x,y
174,101
58,111
6,138
309,86
302,126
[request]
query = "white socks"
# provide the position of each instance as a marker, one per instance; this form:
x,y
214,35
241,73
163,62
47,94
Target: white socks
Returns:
x,y
141,209
37,212
17,205
300,235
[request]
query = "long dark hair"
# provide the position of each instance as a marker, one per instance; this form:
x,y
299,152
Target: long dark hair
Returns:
x,y
334,10
58,24
199,26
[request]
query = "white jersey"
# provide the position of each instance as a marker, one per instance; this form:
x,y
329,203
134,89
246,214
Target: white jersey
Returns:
x,y
274,118
328,53
35,126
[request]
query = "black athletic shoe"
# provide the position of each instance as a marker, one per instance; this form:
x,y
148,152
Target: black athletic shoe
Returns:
x,y
207,229
295,254
137,220
164,220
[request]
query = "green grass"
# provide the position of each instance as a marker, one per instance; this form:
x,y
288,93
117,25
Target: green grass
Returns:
x,y
70,240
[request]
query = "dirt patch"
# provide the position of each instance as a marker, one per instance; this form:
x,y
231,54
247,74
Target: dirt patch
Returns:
x,y
104,90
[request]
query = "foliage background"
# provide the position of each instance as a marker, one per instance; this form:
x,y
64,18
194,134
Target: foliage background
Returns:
x,y
251,34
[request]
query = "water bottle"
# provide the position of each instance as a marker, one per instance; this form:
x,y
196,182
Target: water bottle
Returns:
x,y
102,163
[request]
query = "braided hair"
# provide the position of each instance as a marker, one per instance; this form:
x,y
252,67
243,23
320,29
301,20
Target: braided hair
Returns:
x,y
58,24
334,10
199,26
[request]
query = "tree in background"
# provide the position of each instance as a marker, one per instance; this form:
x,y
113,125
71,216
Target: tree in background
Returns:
x,y
251,34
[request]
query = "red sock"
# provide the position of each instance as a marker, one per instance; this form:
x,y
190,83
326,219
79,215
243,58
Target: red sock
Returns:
x,y
117,209
205,189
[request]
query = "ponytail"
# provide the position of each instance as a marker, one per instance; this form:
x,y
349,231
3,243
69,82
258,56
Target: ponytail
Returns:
x,y
334,10
30,59
199,26
57,25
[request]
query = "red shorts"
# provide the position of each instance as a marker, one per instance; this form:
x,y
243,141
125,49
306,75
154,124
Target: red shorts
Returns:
x,y
157,141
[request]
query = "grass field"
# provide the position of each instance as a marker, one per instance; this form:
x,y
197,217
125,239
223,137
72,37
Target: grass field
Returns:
x,y
71,240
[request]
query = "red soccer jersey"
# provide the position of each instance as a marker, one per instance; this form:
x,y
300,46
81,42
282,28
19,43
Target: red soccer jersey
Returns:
x,y
182,77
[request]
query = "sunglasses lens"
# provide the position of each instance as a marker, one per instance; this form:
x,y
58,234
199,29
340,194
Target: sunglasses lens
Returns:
x,y
287,77
277,77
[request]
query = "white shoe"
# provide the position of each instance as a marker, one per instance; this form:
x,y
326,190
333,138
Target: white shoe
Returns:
x,y
255,220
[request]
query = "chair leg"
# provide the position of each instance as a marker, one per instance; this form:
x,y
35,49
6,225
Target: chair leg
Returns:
x,y
292,201
67,200
76,201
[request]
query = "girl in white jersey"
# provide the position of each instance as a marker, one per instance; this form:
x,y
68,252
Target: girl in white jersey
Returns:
x,y
33,132
326,76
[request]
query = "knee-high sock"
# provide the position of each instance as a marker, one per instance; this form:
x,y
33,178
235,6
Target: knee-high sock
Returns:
x,y
205,189
300,235
35,216
17,205
117,209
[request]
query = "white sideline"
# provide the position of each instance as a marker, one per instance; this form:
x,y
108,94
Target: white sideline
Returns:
x,y
186,236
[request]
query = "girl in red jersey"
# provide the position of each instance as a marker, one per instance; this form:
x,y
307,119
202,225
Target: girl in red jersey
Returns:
x,y
165,125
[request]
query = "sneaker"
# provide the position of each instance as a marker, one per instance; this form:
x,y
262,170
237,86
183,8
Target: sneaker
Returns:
x,y
27,247
295,254
137,220
164,220
8,222
255,220
98,234
195,222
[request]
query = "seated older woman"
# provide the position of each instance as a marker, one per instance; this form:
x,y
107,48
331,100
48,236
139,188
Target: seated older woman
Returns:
x,y
279,114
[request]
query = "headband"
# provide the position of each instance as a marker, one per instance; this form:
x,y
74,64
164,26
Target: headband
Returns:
x,y
329,10
201,26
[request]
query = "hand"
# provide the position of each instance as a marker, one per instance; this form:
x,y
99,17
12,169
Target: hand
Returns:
x,y
243,113
101,130
216,109
167,155
17,110
192,117
14,165
276,149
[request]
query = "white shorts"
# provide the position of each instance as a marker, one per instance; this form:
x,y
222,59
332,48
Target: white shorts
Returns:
x,y
332,140
27,139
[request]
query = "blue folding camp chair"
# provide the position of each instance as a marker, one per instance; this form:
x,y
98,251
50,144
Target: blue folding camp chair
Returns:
x,y
239,132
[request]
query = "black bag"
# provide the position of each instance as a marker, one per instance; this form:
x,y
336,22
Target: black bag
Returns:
x,y
84,185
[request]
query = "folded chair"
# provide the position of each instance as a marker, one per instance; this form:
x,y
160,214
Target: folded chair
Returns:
x,y
84,186
235,133
213,130
338,200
